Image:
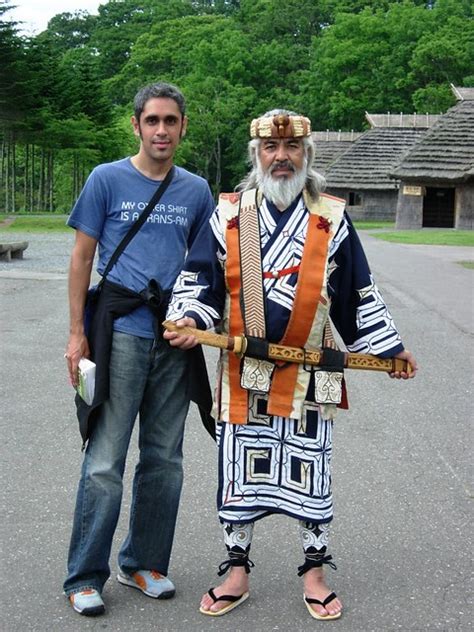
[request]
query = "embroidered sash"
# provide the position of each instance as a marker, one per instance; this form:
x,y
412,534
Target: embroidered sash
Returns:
x,y
251,265
238,405
242,258
308,290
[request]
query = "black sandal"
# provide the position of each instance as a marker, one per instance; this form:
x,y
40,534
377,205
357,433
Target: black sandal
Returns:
x,y
234,599
317,602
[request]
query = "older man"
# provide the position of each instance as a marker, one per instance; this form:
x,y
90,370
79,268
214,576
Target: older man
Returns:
x,y
279,260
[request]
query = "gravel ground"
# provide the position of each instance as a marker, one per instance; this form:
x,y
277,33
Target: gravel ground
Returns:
x,y
46,252
402,469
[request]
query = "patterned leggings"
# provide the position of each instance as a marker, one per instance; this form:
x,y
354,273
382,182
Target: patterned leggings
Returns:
x,y
314,539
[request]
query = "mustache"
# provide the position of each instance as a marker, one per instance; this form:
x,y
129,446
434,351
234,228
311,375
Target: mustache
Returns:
x,y
284,164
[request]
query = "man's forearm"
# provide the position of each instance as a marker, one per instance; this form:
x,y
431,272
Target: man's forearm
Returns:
x,y
79,280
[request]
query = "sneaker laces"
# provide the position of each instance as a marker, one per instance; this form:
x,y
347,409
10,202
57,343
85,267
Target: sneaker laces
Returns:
x,y
156,575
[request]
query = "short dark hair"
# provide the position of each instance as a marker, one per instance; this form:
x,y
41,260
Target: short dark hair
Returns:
x,y
159,90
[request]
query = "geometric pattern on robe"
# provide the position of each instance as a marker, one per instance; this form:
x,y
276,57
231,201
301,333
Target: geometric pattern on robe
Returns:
x,y
275,464
357,309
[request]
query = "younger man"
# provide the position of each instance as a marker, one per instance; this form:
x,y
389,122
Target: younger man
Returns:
x,y
146,376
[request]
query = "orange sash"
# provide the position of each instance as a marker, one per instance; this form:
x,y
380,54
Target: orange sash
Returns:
x,y
308,291
238,405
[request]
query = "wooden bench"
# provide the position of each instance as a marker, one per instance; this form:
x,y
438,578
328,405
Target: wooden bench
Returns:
x,y
13,250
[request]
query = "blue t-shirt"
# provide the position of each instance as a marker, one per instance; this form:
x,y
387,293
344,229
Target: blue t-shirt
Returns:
x,y
113,197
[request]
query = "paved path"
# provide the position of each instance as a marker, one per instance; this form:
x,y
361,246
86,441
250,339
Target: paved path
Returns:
x,y
401,537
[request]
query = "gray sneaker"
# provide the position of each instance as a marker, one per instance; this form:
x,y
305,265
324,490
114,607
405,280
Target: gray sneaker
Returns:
x,y
151,583
87,602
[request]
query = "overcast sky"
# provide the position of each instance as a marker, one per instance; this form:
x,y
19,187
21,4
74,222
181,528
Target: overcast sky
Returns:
x,y
35,14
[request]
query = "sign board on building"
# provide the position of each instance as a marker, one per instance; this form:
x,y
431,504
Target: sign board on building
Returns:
x,y
412,190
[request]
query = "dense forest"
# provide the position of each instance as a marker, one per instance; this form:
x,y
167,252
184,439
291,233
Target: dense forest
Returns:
x,y
66,93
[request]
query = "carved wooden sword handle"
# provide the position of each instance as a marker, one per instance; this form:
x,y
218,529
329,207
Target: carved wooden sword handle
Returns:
x,y
203,337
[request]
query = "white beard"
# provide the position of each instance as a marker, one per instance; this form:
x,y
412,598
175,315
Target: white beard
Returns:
x,y
281,191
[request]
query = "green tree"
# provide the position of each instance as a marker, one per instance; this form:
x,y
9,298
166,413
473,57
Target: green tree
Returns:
x,y
378,60
71,30
442,59
66,94
13,78
79,87
121,22
12,69
209,58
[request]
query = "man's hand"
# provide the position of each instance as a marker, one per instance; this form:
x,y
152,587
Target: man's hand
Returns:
x,y
77,348
410,358
179,340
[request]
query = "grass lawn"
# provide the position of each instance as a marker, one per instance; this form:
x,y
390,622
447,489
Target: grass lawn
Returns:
x,y
50,222
368,225
466,264
34,223
430,236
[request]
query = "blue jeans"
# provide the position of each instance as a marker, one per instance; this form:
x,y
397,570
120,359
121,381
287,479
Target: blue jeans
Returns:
x,y
153,384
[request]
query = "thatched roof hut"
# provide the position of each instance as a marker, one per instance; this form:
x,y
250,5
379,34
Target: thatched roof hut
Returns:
x,y
361,174
329,145
446,151
437,173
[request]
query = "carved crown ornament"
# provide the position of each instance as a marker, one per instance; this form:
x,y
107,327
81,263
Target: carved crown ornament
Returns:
x,y
280,126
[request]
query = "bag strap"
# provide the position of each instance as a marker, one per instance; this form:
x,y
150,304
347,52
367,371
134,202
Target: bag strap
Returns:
x,y
139,223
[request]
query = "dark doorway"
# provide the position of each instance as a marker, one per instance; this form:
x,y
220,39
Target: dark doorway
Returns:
x,y
438,208
355,199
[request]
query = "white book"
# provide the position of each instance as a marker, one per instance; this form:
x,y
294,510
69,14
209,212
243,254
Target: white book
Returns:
x,y
86,383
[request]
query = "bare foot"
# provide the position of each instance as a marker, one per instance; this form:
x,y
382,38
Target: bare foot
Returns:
x,y
235,584
316,588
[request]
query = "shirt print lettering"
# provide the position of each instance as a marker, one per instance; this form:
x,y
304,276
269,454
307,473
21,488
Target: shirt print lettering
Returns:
x,y
162,213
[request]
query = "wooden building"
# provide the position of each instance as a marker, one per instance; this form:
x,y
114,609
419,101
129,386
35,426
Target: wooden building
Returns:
x,y
437,174
361,175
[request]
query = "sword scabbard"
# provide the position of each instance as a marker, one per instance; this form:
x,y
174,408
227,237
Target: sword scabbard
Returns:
x,y
368,362
294,354
283,353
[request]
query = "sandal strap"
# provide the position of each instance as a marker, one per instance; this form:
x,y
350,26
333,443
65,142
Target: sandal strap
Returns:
x,y
235,561
310,563
324,603
215,599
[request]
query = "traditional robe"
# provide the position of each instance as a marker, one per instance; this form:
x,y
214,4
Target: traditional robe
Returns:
x,y
273,463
